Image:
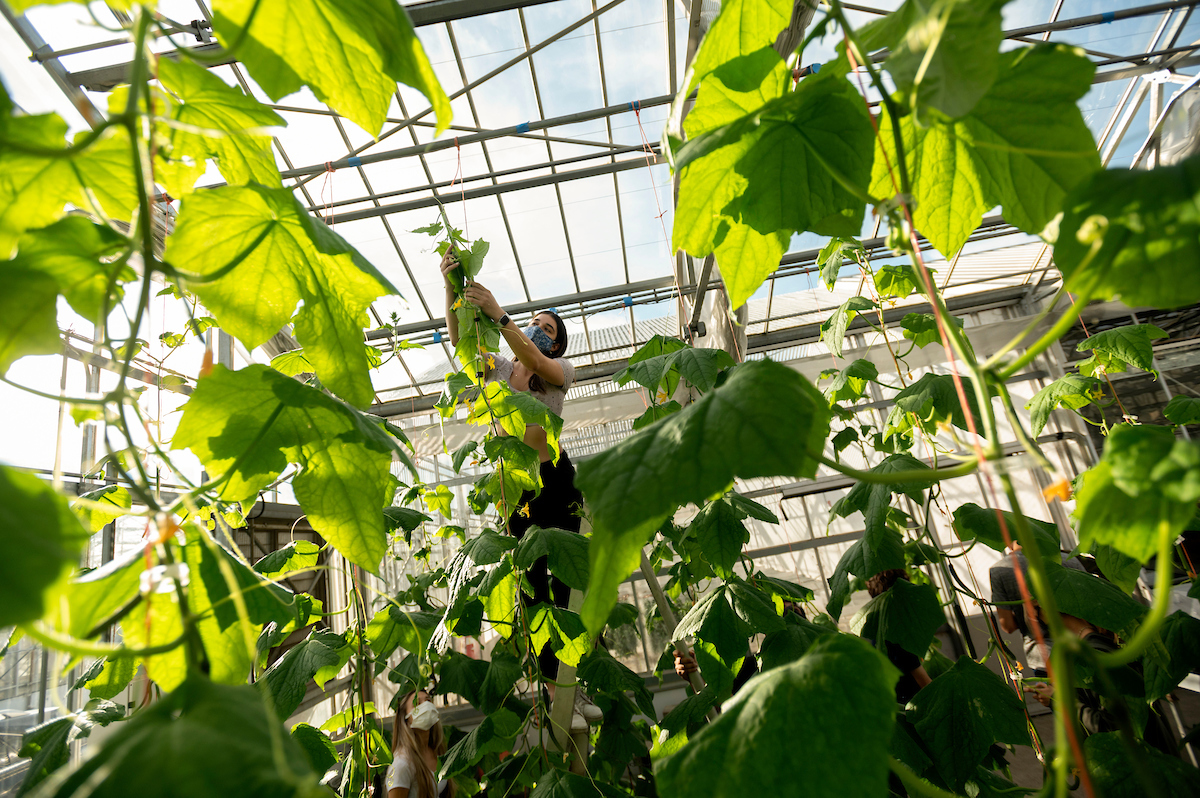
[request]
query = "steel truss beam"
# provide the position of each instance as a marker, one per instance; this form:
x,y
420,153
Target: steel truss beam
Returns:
x,y
790,336
491,191
487,135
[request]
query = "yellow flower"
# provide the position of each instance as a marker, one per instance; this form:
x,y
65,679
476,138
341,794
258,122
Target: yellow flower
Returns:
x,y
524,510
457,304
1060,490
491,361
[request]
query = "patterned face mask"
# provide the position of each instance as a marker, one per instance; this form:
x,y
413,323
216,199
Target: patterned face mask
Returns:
x,y
540,339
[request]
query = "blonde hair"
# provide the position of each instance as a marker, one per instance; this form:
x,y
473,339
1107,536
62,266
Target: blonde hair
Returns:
x,y
403,740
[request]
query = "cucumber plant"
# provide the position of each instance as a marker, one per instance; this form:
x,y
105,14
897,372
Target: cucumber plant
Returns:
x,y
961,127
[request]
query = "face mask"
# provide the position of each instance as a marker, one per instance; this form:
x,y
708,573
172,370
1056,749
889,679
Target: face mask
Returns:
x,y
540,339
424,716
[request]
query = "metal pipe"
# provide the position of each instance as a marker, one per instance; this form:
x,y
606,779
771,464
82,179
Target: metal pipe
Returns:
x,y
445,144
490,191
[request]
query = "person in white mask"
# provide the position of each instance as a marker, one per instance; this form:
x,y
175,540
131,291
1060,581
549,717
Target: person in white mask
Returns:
x,y
417,742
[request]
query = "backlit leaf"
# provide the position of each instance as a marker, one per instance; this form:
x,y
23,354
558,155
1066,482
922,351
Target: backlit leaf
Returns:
x,y
70,251
833,330
1023,147
102,506
1148,223
35,190
43,540
922,329
233,124
352,54
949,56
743,27
851,382
283,256
253,422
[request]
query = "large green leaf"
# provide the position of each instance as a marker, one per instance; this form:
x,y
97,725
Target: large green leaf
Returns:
x,y
1072,391
1145,486
874,499
849,384
948,57
42,540
393,628
833,329
298,555
1118,775
156,622
712,620
972,522
281,256
698,366
70,252
733,431
351,53
287,679
248,425
205,739
1023,147
1117,349
789,644
961,713
1183,410
601,673
83,606
816,138
1149,226
864,559
736,88
317,746
922,328
719,530
215,120
494,734
35,190
28,315
265,601
1095,600
840,686
102,506
566,553
743,27
930,401
905,614
1180,634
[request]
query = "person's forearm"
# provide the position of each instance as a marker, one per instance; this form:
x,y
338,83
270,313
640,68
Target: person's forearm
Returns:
x,y
521,346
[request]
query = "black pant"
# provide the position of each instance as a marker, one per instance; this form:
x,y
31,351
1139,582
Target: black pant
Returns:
x,y
558,506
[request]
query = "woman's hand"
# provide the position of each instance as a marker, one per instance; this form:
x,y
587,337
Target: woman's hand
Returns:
x,y
482,298
1041,691
685,665
449,264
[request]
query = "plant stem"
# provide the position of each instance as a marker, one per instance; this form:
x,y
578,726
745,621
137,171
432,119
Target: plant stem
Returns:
x,y
86,648
916,785
1147,633
898,477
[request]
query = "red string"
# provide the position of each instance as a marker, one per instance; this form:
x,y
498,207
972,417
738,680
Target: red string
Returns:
x,y
328,185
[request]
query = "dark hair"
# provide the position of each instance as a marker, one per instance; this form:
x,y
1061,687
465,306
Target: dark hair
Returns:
x,y
883,581
536,383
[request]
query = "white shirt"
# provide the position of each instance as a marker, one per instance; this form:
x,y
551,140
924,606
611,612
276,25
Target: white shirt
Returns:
x,y
402,775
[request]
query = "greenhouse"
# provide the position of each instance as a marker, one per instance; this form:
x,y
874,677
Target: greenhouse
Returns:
x,y
563,399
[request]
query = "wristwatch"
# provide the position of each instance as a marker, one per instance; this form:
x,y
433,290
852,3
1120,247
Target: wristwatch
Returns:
x,y
503,320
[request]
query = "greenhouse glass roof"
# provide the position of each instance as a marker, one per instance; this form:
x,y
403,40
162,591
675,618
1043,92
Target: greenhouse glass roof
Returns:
x,y
553,157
